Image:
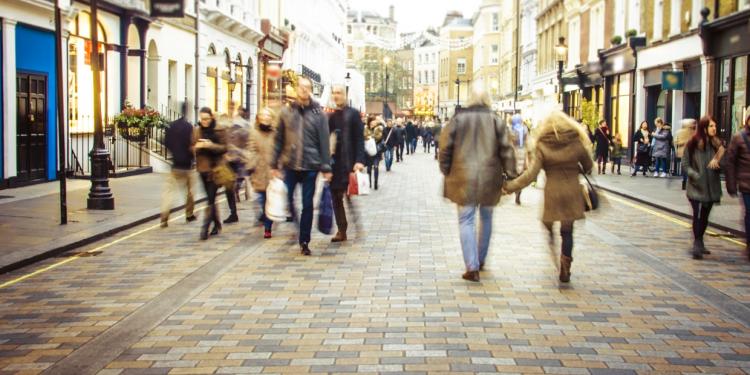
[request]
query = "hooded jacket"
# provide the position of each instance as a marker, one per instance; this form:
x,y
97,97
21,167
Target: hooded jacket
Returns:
x,y
561,149
302,139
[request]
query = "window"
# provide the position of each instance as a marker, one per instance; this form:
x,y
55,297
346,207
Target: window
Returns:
x,y
432,80
461,66
495,22
419,77
740,89
349,29
494,54
419,58
433,58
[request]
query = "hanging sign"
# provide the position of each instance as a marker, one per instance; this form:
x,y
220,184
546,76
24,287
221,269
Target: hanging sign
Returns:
x,y
672,80
168,8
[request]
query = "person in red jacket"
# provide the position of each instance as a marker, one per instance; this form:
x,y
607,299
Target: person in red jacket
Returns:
x,y
738,171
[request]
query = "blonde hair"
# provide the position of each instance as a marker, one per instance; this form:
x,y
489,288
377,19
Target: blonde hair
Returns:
x,y
479,97
558,120
268,111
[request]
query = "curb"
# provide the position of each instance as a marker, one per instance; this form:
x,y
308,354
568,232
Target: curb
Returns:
x,y
45,254
737,233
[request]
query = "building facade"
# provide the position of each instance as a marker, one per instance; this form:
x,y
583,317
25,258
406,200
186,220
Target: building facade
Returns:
x,y
426,75
488,40
456,64
528,52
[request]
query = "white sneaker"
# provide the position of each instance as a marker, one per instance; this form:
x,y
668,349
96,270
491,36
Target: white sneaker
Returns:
x,y
656,174
664,175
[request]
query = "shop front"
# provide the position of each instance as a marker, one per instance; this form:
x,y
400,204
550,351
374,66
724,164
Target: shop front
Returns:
x,y
584,93
272,47
727,42
618,72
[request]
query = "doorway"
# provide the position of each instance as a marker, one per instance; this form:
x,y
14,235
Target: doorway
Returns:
x,y
31,124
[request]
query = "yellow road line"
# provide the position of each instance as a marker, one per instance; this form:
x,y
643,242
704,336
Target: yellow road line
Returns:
x,y
674,220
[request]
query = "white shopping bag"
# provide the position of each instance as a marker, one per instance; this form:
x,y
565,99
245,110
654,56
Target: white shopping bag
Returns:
x,y
371,147
363,183
277,201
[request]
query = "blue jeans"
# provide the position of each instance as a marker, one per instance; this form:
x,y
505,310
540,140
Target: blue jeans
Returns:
x,y
662,165
267,223
388,158
307,179
746,201
474,247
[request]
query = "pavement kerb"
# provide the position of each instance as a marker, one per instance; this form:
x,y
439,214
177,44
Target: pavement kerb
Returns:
x,y
651,203
73,242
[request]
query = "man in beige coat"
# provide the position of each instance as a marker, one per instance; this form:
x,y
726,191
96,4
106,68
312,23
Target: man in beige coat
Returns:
x,y
475,158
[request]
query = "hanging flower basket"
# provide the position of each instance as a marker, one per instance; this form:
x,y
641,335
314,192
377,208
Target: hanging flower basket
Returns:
x,y
135,124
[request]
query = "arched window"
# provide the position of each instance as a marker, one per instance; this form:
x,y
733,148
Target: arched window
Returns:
x,y
211,81
80,76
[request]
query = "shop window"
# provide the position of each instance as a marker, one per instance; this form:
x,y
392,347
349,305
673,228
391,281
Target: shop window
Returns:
x,y
739,96
211,88
80,76
724,71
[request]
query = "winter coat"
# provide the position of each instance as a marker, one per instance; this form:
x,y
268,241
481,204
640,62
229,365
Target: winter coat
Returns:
x,y
237,144
399,135
261,147
411,131
561,152
662,142
302,139
376,132
350,144
392,139
601,137
738,164
704,184
642,157
178,139
207,158
475,156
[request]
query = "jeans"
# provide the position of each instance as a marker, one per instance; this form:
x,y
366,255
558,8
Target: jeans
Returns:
x,y
267,223
176,179
388,158
400,152
307,179
746,201
373,164
637,167
474,247
662,165
701,210
413,145
211,211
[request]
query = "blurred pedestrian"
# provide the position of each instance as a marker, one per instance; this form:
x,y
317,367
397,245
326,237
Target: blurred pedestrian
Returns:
x,y
390,144
642,146
662,147
400,136
426,138
617,153
178,139
683,137
238,135
602,141
210,147
704,183
348,156
262,138
411,138
519,135
475,157
562,150
302,149
374,130
738,172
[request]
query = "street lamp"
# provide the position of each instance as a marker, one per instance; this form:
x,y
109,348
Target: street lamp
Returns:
x,y
348,80
231,84
386,61
561,51
458,94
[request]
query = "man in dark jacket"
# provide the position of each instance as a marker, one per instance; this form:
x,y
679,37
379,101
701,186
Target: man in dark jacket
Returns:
x,y
302,149
738,171
179,141
400,135
411,138
348,156
389,138
475,157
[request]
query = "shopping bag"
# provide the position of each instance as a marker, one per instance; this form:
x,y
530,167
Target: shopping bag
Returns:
x,y
277,201
363,183
353,185
325,211
371,148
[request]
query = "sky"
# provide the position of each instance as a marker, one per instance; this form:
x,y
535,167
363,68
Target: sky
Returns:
x,y
417,15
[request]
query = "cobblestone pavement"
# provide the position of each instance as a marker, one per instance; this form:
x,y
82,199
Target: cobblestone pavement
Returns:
x,y
390,300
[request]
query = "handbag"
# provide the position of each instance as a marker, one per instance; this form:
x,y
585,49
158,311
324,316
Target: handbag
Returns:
x,y
222,175
363,183
277,201
371,147
353,188
384,144
590,195
325,211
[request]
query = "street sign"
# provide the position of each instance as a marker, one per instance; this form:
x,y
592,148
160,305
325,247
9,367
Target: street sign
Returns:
x,y
168,8
672,80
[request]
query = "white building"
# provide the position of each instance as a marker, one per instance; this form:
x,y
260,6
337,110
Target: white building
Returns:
x,y
426,77
528,56
316,43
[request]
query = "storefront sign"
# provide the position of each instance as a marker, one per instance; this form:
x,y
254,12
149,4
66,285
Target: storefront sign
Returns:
x,y
168,8
672,80
273,47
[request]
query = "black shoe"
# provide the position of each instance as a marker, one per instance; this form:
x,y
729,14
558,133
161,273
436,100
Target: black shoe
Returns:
x,y
304,249
204,233
216,230
231,219
698,249
191,218
289,219
164,224
684,185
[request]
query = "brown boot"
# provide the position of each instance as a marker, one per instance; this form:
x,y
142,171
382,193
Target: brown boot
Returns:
x,y
471,276
565,262
339,237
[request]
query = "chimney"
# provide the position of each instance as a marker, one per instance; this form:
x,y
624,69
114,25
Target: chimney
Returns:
x,y
391,12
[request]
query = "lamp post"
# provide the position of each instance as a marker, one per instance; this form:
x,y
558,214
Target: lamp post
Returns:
x,y
386,61
561,51
100,196
348,80
458,94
